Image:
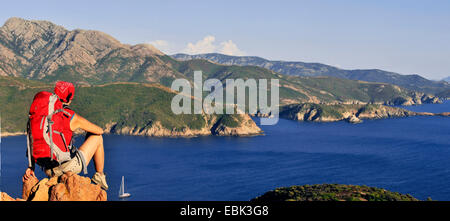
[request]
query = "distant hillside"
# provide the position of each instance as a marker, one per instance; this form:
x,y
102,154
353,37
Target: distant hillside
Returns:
x,y
413,82
444,94
295,89
353,113
447,79
121,108
332,192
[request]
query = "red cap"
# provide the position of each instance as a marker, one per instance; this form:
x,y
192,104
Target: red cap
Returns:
x,y
64,90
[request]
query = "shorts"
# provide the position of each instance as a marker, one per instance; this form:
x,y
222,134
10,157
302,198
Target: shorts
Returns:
x,y
75,165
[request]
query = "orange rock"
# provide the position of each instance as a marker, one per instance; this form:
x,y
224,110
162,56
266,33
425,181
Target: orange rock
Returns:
x,y
76,188
59,193
5,197
80,188
27,185
67,187
39,192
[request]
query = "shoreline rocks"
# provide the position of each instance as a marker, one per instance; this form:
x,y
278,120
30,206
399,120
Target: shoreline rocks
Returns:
x,y
244,126
352,113
415,98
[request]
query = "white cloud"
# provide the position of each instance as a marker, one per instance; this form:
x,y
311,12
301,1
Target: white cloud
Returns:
x,y
208,45
162,45
230,48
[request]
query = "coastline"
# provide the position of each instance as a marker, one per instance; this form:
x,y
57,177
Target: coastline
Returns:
x,y
8,134
11,134
193,134
249,128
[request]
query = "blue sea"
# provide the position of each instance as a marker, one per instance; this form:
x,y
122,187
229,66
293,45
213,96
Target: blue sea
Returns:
x,y
406,155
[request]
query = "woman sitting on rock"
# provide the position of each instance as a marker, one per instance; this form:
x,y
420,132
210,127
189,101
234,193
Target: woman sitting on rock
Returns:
x,y
51,125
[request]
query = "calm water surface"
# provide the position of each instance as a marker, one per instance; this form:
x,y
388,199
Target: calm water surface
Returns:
x,y
407,155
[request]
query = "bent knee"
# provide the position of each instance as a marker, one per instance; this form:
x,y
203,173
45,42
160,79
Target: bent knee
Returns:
x,y
100,137
97,137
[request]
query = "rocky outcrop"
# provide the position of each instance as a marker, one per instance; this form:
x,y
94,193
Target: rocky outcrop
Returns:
x,y
155,130
6,197
415,98
354,120
67,187
352,113
381,111
242,125
246,127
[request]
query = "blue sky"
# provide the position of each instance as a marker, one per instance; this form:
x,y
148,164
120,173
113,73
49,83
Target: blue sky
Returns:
x,y
408,37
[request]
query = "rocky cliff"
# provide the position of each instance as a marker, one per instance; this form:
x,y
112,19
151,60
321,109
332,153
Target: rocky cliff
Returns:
x,y
353,113
415,98
235,125
67,187
225,125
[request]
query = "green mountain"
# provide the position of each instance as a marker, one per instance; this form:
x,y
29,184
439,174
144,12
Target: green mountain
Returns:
x,y
413,82
41,50
332,192
121,108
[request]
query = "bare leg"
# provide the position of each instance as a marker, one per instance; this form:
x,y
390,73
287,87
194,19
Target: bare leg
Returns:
x,y
93,148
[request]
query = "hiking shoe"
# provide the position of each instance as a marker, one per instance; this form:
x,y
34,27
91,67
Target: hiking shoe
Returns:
x,y
100,179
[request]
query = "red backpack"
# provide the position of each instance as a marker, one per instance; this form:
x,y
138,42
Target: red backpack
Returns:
x,y
45,128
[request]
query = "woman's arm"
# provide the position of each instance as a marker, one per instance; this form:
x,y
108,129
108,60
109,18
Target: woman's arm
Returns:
x,y
79,122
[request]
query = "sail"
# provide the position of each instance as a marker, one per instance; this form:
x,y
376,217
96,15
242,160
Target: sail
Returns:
x,y
122,193
122,187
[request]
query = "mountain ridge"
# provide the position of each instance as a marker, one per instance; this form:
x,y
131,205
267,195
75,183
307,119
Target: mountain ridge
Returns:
x,y
43,51
414,81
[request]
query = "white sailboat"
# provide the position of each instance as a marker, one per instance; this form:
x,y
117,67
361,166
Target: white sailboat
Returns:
x,y
122,193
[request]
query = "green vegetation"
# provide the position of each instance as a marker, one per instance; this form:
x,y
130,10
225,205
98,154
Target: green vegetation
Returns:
x,y
130,105
294,89
332,192
227,120
15,102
